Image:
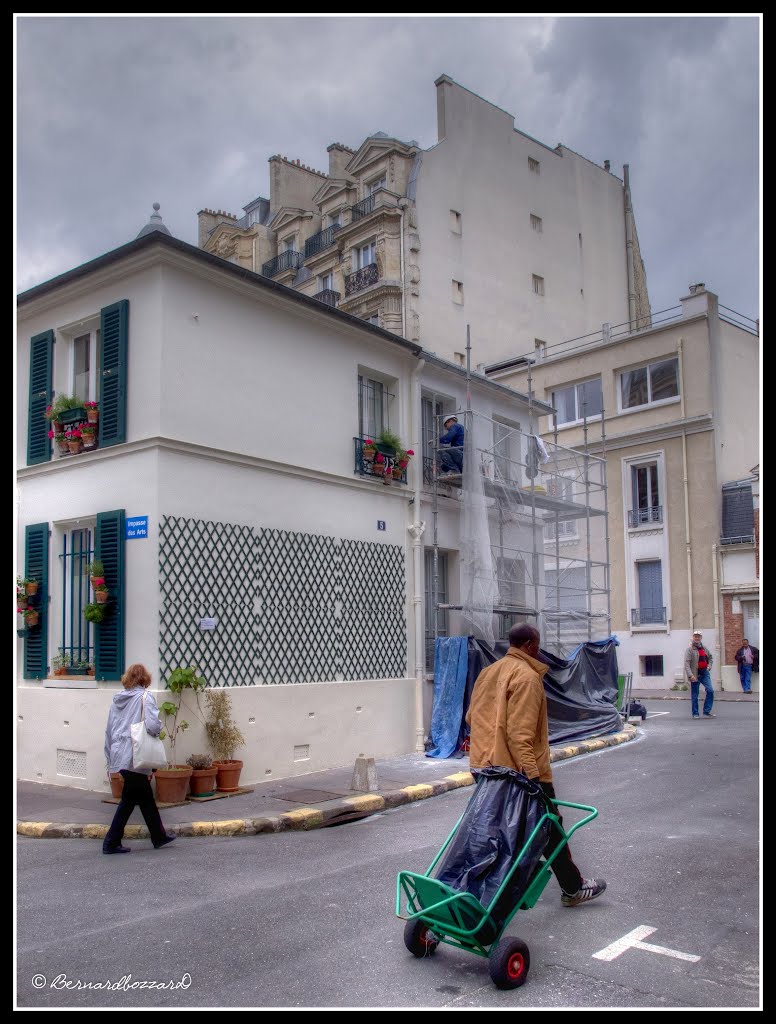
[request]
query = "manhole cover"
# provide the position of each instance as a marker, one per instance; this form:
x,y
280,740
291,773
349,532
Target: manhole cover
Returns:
x,y
305,796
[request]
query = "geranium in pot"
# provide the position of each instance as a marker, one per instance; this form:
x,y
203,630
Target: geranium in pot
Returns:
x,y
172,782
96,571
224,738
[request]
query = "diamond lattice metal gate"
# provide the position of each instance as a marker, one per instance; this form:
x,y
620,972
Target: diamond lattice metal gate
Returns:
x,y
291,607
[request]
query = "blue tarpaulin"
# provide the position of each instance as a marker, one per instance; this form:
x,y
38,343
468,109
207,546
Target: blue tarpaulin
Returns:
x,y
581,690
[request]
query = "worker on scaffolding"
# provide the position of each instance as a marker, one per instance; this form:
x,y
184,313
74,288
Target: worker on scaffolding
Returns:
x,y
451,456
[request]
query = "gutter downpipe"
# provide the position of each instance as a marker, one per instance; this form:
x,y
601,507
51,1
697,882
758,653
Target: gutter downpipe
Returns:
x,y
715,591
685,482
415,530
629,246
403,274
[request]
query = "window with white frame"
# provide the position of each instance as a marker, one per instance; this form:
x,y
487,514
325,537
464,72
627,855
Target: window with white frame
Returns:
x,y
562,529
374,398
506,451
536,223
434,597
364,255
326,282
649,385
645,489
378,183
533,165
574,403
85,371
538,284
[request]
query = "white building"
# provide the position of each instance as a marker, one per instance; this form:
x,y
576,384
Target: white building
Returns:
x,y
240,526
528,243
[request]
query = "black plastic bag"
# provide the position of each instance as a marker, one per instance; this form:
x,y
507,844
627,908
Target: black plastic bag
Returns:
x,y
502,812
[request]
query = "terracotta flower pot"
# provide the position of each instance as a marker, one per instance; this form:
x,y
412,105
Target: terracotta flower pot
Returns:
x,y
31,588
172,784
101,596
116,785
203,781
75,447
63,447
92,415
368,454
228,775
31,618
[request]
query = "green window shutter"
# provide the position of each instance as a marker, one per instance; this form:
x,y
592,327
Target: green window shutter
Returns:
x,y
109,634
114,329
36,550
41,360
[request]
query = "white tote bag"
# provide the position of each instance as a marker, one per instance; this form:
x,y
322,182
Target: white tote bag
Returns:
x,y
147,750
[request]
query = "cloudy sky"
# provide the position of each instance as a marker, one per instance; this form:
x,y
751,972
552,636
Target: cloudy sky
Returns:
x,y
115,113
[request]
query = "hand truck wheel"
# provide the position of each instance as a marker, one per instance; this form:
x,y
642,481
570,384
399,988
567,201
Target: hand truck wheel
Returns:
x,y
509,963
419,939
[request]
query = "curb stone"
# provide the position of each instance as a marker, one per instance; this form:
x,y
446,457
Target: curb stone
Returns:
x,y
304,819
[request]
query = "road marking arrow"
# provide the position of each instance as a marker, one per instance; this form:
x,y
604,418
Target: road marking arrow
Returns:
x,y
633,940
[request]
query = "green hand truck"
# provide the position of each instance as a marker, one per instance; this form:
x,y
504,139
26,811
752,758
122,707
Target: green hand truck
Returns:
x,y
436,913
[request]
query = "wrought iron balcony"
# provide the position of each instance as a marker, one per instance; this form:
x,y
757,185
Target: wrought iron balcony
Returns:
x,y
361,279
328,295
746,538
363,208
321,241
640,516
387,469
289,260
648,616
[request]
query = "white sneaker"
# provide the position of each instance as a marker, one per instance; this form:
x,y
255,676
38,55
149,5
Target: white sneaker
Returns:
x,y
591,887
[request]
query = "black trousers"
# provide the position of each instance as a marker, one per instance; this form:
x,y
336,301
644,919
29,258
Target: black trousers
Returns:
x,y
563,867
137,792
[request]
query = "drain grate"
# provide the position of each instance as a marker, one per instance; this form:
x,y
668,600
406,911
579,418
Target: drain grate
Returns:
x,y
306,796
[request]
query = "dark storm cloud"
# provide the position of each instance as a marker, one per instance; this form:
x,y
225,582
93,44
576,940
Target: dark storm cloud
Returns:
x,y
116,113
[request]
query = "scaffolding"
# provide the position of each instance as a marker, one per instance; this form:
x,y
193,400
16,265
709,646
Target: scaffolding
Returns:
x,y
534,539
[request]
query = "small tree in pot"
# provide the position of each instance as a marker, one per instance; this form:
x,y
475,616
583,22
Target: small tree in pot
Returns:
x,y
203,775
172,782
224,738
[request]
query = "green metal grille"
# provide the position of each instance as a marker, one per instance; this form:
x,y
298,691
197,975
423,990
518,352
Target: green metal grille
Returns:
x,y
290,607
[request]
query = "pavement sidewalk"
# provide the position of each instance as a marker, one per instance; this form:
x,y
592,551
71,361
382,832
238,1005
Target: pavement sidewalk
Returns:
x,y
317,800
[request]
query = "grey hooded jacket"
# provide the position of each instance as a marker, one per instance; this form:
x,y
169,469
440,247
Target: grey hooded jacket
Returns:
x,y
125,710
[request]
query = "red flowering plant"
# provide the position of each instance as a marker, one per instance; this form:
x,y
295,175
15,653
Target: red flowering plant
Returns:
x,y
73,435
91,405
403,457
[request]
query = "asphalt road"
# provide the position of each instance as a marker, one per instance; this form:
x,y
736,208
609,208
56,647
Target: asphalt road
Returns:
x,y
307,919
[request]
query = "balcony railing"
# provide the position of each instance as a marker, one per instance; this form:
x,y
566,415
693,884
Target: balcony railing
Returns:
x,y
387,469
363,208
289,260
328,295
640,516
648,616
361,279
321,241
746,538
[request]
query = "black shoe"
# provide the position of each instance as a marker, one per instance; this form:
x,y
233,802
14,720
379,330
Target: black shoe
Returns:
x,y
117,849
167,839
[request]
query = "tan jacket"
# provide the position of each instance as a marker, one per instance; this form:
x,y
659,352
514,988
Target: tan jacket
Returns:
x,y
508,717
691,661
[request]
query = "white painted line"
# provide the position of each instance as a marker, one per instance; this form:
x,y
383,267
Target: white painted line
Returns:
x,y
633,941
657,714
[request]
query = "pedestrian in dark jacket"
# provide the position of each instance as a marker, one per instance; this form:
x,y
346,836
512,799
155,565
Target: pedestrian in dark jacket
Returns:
x,y
748,659
127,707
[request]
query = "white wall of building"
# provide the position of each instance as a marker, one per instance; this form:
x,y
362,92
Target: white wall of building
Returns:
x,y
480,169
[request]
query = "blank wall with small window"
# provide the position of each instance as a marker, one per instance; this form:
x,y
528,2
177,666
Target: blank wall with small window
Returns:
x,y
458,292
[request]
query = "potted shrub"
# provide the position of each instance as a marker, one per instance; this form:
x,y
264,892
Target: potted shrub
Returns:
x,y
30,587
92,411
72,410
224,738
172,782
21,594
55,411
61,663
94,613
96,571
101,592
61,441
388,443
30,616
203,775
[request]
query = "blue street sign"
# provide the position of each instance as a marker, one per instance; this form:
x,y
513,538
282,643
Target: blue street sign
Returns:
x,y
136,527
